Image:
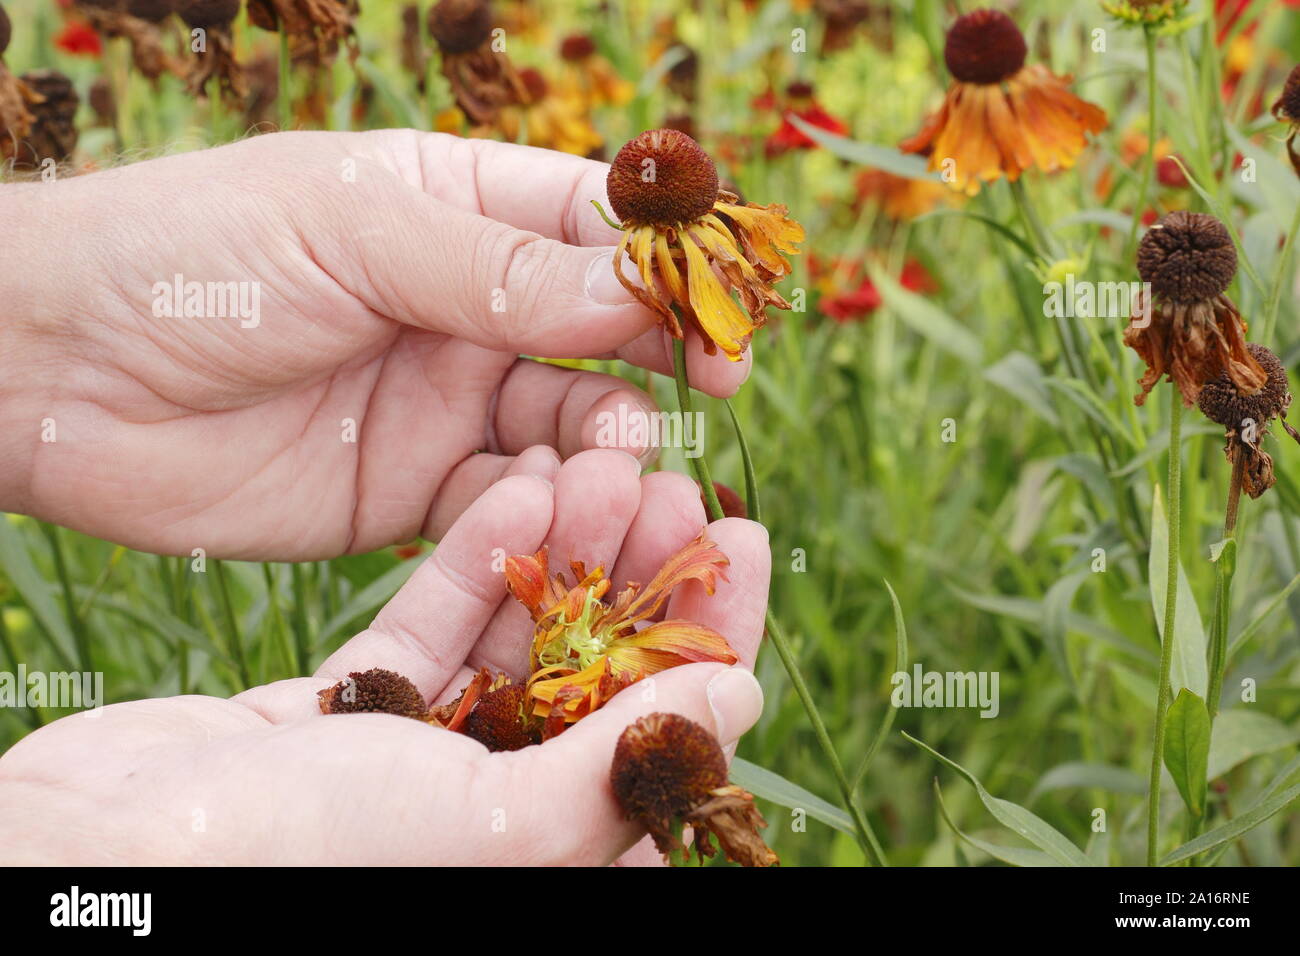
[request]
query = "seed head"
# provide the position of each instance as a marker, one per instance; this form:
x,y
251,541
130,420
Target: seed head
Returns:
x,y
984,46
1187,257
460,26
207,13
374,691
664,767
662,178
498,721
1221,402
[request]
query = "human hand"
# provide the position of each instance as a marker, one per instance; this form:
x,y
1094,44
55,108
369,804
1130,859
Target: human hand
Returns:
x,y
264,778
378,259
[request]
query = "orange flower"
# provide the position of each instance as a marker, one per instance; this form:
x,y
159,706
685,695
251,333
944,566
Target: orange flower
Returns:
x,y
1001,117
900,198
681,231
585,650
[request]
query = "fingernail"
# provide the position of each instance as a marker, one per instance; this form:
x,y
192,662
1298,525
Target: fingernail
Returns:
x,y
602,285
736,700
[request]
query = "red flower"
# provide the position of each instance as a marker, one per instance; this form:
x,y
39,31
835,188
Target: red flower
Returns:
x,y
855,305
79,39
801,104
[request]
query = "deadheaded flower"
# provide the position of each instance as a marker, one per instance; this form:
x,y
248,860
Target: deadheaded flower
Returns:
x,y
376,691
669,773
1189,330
482,78
679,226
53,134
489,710
1287,110
140,22
585,651
1001,116
1246,418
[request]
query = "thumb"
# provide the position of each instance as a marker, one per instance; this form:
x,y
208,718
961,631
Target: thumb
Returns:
x,y
417,260
571,772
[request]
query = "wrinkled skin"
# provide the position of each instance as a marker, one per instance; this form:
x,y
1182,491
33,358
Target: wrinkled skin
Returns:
x,y
380,257
265,778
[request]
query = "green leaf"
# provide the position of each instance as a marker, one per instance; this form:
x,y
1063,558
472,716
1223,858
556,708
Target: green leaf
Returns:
x,y
1240,734
367,601
1020,375
927,319
17,565
1029,825
1187,748
1015,855
1188,668
887,158
1078,775
772,786
1234,828
900,664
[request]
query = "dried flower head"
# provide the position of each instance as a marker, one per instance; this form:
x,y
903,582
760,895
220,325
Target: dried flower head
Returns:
x,y
1187,257
669,773
586,650
1246,418
1187,328
376,691
140,23
1001,116
314,28
482,79
1287,110
16,98
53,134
217,60
6,31
500,720
679,226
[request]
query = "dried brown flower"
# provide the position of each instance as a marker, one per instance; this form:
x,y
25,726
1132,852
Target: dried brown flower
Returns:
x,y
1246,418
482,79
376,691
217,59
1187,328
669,773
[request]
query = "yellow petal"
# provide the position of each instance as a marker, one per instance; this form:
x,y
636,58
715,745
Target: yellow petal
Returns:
x,y
718,314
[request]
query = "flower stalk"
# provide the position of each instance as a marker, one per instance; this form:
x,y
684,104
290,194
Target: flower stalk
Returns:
x,y
866,836
1167,636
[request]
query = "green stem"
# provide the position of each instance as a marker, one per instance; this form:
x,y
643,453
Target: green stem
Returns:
x,y
1149,163
698,464
1167,636
1224,569
866,837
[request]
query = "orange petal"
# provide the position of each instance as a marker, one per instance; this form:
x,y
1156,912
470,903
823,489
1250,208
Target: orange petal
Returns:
x,y
720,317
698,561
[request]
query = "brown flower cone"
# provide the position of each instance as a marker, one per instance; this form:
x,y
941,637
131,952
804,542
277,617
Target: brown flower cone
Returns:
x,y
53,134
320,24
